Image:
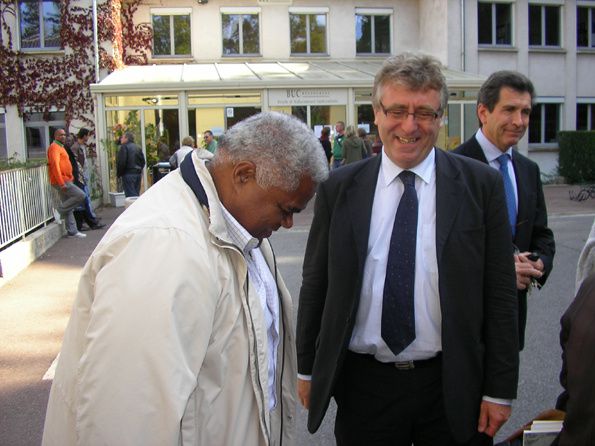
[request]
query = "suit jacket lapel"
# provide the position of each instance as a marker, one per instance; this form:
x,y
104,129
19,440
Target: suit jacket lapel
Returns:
x,y
360,199
477,151
449,197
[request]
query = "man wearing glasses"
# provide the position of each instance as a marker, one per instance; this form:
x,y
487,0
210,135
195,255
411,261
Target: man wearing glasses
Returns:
x,y
210,141
407,313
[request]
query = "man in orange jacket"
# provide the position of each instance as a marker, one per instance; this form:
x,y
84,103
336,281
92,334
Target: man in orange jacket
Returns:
x,y
61,179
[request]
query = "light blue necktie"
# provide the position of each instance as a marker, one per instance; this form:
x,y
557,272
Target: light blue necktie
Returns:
x,y
508,191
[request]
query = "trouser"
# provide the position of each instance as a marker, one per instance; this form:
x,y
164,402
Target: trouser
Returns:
x,y
337,163
87,204
378,404
71,196
131,184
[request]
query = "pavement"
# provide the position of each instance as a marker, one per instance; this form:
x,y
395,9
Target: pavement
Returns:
x,y
48,286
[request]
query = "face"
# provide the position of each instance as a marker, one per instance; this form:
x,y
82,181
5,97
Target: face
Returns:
x,y
263,211
123,139
60,135
408,141
339,128
208,138
506,124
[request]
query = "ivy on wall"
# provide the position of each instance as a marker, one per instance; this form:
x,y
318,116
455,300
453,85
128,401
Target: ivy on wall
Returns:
x,y
61,79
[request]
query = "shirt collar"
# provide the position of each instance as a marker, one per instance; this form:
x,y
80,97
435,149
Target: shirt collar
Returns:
x,y
59,143
490,151
238,234
424,170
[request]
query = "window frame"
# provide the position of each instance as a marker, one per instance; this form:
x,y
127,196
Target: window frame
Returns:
x,y
40,27
539,105
590,118
308,12
543,37
171,12
590,25
45,126
373,13
3,139
493,43
233,11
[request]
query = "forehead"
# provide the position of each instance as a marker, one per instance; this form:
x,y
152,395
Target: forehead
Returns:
x,y
397,94
511,96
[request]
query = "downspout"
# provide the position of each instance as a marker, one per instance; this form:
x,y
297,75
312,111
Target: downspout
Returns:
x,y
462,35
95,41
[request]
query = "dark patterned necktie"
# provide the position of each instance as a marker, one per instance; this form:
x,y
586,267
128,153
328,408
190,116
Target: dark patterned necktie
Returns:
x,y
508,191
398,314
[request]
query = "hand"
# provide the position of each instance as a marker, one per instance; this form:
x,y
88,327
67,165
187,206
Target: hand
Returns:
x,y
492,416
304,392
526,270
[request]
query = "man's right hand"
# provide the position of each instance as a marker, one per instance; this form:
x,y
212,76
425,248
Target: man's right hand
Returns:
x,y
526,271
303,387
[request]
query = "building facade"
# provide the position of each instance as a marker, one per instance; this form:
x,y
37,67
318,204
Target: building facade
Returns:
x,y
165,69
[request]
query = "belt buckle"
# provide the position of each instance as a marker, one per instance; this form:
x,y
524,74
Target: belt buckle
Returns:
x,y
404,365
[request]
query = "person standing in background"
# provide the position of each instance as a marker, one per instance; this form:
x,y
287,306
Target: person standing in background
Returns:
x,y
62,180
338,145
325,142
130,164
210,141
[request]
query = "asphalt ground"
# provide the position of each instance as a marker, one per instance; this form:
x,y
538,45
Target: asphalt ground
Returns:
x,y
35,307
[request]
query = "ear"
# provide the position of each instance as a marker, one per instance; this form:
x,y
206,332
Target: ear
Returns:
x,y
243,173
482,113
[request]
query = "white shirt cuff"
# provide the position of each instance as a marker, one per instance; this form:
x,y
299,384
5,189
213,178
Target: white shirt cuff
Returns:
x,y
304,377
502,401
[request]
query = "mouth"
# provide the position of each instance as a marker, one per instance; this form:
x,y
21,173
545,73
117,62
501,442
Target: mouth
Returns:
x,y
406,140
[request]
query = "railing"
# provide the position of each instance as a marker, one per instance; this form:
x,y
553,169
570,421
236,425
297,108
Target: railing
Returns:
x,y
25,202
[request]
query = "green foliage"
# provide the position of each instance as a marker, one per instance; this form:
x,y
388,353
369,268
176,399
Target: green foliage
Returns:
x,y
577,156
14,163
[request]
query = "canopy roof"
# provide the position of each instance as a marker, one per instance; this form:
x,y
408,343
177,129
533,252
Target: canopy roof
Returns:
x,y
256,75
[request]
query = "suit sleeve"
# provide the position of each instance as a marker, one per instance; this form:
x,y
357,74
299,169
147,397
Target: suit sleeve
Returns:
x,y
314,285
121,160
542,237
500,301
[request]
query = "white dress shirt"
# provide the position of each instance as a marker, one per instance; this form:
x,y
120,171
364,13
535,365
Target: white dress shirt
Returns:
x,y
491,152
263,282
366,337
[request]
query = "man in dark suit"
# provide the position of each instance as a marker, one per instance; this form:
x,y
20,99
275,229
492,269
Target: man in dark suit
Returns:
x,y
503,108
407,313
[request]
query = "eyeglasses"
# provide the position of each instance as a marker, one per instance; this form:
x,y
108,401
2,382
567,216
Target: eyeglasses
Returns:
x,y
401,114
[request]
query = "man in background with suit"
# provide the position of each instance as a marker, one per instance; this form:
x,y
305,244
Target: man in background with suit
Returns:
x,y
504,105
407,313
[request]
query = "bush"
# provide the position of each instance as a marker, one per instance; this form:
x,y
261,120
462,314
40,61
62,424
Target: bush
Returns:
x,y
577,156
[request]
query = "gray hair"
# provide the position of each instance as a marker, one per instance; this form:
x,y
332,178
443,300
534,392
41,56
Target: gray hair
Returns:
x,y
350,131
281,146
416,72
188,141
129,136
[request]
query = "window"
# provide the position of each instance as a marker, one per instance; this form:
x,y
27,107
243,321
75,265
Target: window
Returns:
x,y
307,31
39,133
494,23
39,24
372,31
585,116
241,32
544,25
585,27
544,123
171,33
3,145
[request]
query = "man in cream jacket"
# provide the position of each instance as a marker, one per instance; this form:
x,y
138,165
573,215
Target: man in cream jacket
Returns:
x,y
181,332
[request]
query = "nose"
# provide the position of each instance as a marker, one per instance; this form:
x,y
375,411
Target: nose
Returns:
x,y
518,118
409,124
287,221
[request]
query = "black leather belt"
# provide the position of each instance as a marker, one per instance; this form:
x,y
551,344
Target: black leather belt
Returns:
x,y
401,365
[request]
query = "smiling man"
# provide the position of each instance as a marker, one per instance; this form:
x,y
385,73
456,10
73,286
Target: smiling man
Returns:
x,y
504,105
182,331
407,313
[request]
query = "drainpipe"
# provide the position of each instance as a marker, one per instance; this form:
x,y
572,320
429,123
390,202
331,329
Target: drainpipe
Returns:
x,y
462,35
95,41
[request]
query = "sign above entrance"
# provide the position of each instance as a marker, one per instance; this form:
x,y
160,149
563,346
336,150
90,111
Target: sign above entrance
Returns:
x,y
307,96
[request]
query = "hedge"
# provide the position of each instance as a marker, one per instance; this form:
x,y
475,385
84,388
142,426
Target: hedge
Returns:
x,y
577,156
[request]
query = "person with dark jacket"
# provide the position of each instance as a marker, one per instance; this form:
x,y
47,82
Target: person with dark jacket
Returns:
x,y
82,214
325,142
130,164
